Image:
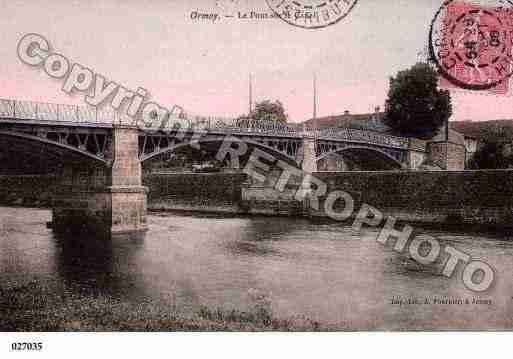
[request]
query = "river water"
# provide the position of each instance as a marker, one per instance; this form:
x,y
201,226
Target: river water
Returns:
x,y
323,271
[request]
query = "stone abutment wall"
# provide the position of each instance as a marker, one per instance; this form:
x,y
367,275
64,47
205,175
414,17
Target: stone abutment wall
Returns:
x,y
208,192
466,197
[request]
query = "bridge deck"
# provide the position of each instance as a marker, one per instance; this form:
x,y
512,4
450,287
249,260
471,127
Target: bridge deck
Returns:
x,y
28,113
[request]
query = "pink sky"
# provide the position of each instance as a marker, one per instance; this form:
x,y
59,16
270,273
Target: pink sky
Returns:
x,y
204,66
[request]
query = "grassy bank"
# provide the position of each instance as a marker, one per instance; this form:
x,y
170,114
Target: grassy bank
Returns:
x,y
33,307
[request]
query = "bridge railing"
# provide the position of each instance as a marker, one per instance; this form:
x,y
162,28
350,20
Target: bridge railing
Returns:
x,y
352,135
50,112
39,111
231,125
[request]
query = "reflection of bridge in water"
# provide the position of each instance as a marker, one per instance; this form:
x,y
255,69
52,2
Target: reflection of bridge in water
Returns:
x,y
98,154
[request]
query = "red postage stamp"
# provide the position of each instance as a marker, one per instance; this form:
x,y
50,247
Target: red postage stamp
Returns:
x,y
473,47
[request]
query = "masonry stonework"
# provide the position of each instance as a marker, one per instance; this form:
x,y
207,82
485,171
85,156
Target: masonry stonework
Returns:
x,y
461,197
105,200
309,163
447,155
458,197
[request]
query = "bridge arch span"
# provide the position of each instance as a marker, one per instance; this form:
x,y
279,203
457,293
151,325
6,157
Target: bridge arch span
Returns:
x,y
218,140
364,157
47,147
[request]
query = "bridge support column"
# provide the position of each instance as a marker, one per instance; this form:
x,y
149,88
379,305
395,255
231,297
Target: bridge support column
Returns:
x,y
127,195
104,201
309,163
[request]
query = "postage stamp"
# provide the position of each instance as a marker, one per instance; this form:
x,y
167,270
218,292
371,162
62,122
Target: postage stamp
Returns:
x,y
471,45
312,14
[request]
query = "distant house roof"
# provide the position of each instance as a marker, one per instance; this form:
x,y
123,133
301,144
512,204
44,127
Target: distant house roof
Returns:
x,y
366,121
480,129
454,137
374,122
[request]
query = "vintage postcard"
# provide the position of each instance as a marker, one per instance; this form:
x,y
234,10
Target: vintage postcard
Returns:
x,y
255,166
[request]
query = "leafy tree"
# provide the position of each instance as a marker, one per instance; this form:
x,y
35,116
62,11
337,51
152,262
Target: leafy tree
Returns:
x,y
415,106
268,110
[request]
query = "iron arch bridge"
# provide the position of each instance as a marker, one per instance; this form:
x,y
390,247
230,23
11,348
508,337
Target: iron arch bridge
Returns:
x,y
87,133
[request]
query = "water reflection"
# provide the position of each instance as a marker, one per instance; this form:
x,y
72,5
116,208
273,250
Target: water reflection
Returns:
x,y
324,271
83,262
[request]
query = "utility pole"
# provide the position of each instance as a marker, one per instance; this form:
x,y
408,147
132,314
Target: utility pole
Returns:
x,y
250,94
315,101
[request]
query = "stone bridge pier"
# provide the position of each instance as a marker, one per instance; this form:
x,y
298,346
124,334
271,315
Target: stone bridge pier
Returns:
x,y
309,163
103,199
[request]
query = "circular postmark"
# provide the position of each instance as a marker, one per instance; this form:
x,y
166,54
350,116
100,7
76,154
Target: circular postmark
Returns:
x,y
311,14
471,43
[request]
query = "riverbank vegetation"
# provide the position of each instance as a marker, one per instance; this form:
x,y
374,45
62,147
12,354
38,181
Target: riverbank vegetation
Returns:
x,y
34,307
